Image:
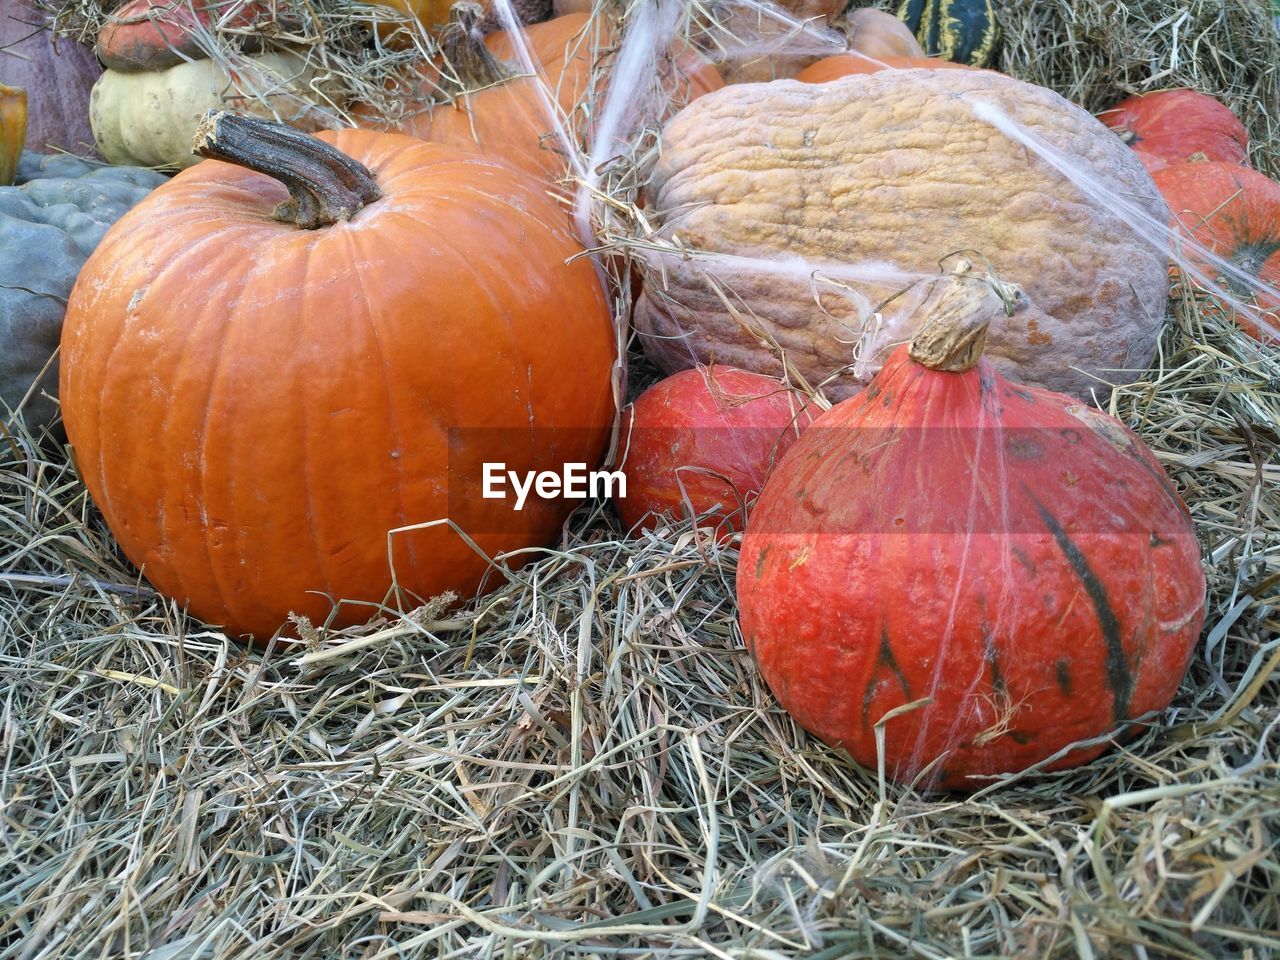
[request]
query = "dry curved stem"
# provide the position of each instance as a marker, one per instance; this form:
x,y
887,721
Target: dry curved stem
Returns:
x,y
325,185
463,46
953,335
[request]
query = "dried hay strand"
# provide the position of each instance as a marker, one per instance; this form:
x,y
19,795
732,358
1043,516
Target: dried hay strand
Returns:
x,y
586,763
1096,52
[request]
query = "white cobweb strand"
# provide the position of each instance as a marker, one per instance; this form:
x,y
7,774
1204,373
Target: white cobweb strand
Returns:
x,y
520,44
1167,241
629,100
802,37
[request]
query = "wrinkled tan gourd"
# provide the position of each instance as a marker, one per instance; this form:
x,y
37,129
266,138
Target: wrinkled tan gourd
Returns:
x,y
148,119
894,168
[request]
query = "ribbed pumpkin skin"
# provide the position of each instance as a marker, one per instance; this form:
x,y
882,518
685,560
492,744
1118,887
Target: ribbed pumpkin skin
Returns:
x,y
253,406
711,435
1235,213
965,31
509,120
1173,126
1004,550
847,64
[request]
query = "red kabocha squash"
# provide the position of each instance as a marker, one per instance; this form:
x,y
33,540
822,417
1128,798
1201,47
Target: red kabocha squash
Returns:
x,y
156,34
1174,126
1008,569
57,74
847,64
433,13
256,399
504,111
1233,214
705,438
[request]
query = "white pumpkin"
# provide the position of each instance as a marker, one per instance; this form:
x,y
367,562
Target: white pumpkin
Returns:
x,y
148,119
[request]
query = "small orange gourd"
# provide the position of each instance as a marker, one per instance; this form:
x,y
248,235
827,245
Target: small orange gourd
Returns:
x,y
13,130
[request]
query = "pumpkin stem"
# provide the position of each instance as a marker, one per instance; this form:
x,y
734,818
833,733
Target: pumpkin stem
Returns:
x,y
325,185
462,43
955,331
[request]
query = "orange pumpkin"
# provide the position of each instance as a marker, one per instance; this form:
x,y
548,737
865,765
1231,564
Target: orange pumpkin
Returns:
x,y
432,13
256,399
1176,126
504,112
846,64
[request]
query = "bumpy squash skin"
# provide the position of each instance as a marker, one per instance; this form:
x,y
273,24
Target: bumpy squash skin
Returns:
x,y
49,222
894,168
1018,557
147,119
254,406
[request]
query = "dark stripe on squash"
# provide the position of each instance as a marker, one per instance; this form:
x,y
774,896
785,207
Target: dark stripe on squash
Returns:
x,y
1119,675
885,660
1064,677
993,661
910,13
963,31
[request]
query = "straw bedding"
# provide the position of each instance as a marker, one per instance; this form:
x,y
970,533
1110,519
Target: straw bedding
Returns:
x,y
585,763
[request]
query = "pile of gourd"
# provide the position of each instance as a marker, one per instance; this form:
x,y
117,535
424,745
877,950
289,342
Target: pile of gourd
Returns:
x,y
284,369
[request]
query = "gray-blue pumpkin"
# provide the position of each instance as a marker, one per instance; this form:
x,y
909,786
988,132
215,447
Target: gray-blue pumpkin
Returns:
x,y
50,221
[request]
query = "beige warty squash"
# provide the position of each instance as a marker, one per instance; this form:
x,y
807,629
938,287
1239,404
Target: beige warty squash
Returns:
x,y
894,168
